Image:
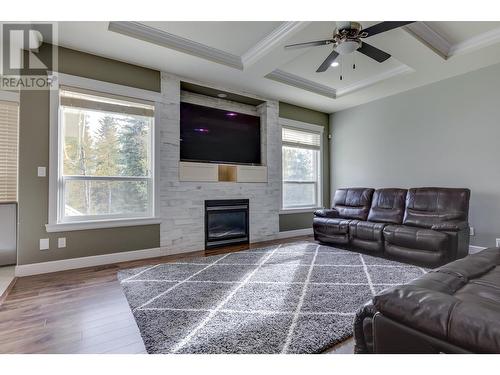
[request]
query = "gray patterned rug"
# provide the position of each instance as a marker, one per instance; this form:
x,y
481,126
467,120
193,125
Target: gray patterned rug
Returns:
x,y
293,298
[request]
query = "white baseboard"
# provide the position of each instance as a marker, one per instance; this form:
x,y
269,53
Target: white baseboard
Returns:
x,y
294,233
96,260
475,249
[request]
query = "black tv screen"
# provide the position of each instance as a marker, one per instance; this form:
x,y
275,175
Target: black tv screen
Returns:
x,y
219,136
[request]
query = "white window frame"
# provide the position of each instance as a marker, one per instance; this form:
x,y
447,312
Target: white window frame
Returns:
x,y
55,162
299,125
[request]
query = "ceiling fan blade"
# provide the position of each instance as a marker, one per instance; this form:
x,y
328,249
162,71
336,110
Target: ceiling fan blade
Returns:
x,y
309,44
373,52
328,61
385,26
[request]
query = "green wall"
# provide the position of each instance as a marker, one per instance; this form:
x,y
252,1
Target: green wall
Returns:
x,y
34,152
293,112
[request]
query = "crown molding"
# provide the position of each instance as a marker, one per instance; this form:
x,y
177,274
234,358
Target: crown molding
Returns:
x,y
265,45
356,86
162,38
431,38
479,41
301,83
443,47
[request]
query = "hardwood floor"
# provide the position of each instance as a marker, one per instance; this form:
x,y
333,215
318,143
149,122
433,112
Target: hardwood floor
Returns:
x,y
84,310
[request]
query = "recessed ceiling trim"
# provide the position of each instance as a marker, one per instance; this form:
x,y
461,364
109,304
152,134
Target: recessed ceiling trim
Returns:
x,y
356,86
162,38
268,43
479,41
429,37
301,83
444,48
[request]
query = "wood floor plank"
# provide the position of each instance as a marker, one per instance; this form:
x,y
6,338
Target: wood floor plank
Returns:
x,y
83,310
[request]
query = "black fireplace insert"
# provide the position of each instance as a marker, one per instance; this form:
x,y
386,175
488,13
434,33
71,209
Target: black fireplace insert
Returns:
x,y
226,222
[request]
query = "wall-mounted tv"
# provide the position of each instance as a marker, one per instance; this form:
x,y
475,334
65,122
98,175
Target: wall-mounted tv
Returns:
x,y
219,136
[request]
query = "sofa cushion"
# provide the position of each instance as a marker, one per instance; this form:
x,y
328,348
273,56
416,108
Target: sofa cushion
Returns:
x,y
388,206
366,230
353,203
426,207
415,238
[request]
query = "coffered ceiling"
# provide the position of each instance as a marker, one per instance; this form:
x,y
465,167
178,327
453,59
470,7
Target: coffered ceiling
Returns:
x,y
249,56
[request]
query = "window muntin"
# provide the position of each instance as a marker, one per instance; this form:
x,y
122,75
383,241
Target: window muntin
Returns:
x,y
105,158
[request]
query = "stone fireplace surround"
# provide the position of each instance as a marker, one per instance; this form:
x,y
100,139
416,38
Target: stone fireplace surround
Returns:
x,y
181,204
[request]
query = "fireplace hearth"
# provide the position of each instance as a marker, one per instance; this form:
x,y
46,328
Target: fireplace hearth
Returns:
x,y
226,222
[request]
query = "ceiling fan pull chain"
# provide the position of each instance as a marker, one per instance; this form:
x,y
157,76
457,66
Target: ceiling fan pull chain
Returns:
x,y
353,61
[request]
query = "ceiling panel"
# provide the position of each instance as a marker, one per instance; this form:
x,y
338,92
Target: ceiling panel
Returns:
x,y
425,66
232,37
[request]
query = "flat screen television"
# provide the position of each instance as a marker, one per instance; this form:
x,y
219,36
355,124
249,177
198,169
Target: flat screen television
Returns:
x,y
218,136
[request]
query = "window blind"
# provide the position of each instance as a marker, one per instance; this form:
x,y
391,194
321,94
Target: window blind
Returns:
x,y
85,99
297,137
8,151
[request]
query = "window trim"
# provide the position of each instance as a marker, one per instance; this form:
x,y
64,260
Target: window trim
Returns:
x,y
299,125
55,163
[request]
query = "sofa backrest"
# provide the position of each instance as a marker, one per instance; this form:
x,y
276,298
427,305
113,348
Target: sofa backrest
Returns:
x,y
388,206
353,203
430,205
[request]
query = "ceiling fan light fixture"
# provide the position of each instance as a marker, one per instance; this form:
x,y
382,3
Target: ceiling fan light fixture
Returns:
x,y
334,64
347,47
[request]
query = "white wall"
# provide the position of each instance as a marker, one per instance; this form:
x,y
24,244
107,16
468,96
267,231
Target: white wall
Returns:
x,y
444,134
182,203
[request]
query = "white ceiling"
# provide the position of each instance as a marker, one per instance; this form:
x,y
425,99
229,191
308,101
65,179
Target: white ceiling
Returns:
x,y
249,57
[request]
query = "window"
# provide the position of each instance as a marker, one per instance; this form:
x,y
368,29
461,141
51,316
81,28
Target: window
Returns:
x,y
105,157
301,157
8,151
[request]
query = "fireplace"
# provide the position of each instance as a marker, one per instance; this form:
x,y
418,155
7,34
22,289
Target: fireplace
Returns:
x,y
226,222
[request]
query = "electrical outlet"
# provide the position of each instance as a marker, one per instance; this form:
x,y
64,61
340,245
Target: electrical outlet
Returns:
x,y
61,242
498,242
42,171
44,243
471,231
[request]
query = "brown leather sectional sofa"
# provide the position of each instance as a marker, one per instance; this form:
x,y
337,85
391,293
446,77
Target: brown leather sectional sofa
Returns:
x,y
453,309
427,226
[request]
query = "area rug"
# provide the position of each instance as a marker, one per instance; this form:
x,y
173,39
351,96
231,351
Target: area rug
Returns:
x,y
294,298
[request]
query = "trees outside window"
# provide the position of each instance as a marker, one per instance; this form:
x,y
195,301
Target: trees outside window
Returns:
x,y
106,158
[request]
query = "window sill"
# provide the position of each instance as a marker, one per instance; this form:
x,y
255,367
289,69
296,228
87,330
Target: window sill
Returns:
x,y
286,211
100,224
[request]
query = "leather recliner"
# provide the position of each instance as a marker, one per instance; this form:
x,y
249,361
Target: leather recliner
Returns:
x,y
453,309
387,207
434,229
427,226
349,205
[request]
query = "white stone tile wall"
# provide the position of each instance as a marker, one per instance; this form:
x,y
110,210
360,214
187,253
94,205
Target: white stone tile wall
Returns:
x,y
181,206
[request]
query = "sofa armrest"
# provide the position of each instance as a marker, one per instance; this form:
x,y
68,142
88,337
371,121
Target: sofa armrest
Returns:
x,y
451,226
327,213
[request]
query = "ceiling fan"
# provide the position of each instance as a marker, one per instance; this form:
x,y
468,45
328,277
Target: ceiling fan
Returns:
x,y
347,39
